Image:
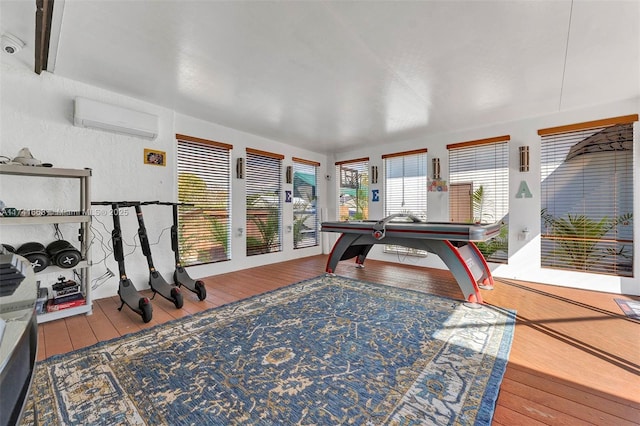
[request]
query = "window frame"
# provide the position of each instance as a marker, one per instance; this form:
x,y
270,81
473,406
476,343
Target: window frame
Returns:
x,y
465,160
359,167
592,238
415,179
308,217
263,233
198,156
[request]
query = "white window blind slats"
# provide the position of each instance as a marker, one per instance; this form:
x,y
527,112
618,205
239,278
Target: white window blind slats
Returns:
x,y
264,205
353,202
406,191
587,200
204,181
406,185
486,167
479,191
305,214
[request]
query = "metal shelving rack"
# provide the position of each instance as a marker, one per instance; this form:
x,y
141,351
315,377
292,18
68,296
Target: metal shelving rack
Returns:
x,y
84,267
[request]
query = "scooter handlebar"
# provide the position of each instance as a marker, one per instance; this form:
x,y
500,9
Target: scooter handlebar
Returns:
x,y
139,203
119,203
168,203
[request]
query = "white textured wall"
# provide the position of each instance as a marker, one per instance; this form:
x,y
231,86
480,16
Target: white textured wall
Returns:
x,y
524,255
37,112
241,141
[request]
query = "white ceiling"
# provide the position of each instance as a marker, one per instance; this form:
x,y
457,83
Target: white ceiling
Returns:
x,y
333,76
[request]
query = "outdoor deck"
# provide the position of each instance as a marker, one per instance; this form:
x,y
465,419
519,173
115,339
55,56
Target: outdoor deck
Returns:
x,y
575,357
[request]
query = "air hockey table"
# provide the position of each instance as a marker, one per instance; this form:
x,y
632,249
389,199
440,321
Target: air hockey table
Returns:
x,y
452,242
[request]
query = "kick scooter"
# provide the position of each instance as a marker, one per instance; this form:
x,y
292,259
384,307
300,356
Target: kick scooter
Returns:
x,y
156,281
181,276
126,290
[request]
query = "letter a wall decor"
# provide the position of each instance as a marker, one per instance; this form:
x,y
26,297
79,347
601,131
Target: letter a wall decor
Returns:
x,y
523,191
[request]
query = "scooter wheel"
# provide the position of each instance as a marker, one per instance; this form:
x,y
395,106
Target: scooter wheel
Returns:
x,y
177,297
201,290
146,308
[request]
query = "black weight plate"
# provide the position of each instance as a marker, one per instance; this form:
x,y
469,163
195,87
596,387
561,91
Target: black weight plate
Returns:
x,y
39,260
63,254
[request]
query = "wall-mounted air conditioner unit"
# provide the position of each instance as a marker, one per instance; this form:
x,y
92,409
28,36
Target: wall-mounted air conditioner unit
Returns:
x,y
98,115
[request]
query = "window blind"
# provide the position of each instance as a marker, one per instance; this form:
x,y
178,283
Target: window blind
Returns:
x,y
479,189
587,199
264,202
353,189
204,181
305,213
405,183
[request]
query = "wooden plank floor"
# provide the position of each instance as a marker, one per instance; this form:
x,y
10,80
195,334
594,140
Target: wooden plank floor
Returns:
x,y
575,358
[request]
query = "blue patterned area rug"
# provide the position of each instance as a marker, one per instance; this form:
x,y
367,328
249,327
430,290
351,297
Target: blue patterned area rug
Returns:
x,y
325,351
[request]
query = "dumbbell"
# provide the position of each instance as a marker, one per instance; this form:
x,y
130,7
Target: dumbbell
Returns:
x,y
36,254
63,254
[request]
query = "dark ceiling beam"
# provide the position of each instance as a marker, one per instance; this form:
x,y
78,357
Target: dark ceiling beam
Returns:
x,y
44,14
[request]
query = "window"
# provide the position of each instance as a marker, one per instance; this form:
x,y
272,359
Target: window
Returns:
x,y
264,202
479,189
587,197
204,181
405,181
305,213
353,203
